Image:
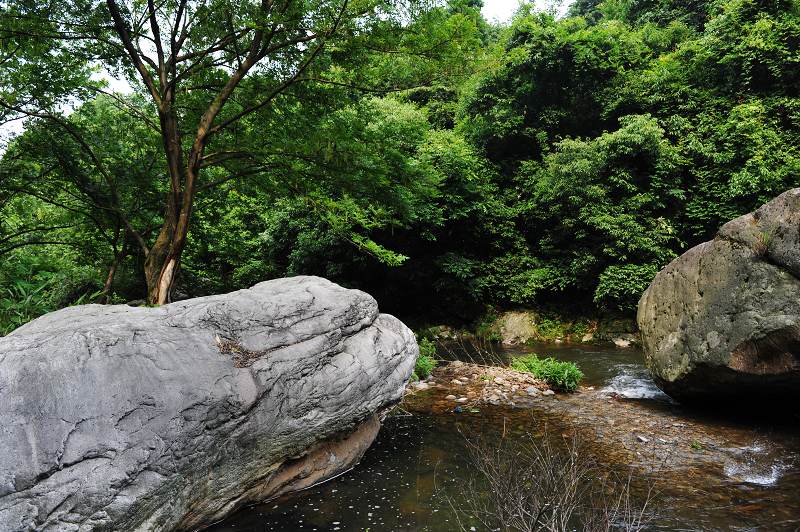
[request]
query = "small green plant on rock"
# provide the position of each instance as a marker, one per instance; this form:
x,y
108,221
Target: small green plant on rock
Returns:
x,y
563,376
550,328
426,360
763,240
579,329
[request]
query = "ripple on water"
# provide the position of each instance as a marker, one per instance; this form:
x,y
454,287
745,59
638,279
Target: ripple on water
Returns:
x,y
632,381
755,465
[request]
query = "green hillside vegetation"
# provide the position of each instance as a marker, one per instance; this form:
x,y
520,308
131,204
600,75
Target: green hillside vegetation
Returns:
x,y
434,160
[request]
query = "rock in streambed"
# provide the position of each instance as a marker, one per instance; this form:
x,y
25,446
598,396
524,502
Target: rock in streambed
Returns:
x,y
722,322
169,418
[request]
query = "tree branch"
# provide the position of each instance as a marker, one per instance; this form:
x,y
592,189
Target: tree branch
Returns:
x,y
289,81
122,31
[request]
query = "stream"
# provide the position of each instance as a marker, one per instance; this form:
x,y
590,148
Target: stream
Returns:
x,y
734,474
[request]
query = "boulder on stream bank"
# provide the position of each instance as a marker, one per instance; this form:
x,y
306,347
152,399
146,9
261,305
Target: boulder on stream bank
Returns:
x,y
722,322
170,418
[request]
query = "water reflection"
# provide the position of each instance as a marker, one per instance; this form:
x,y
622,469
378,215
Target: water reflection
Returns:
x,y
419,462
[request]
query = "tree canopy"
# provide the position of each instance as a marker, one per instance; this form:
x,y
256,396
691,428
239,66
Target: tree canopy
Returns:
x,y
407,148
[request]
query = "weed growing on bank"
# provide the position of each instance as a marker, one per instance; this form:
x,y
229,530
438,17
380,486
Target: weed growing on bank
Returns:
x,y
563,376
426,360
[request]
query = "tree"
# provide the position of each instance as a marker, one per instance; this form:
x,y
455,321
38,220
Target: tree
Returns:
x,y
94,195
211,69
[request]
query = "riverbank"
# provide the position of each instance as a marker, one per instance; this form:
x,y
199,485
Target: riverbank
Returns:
x,y
708,473
650,435
528,326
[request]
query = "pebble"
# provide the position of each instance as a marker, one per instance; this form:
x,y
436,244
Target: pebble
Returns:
x,y
548,392
532,390
642,438
462,400
499,381
421,386
451,397
456,381
456,364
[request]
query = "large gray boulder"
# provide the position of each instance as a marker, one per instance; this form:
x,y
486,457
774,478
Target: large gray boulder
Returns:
x,y
722,322
122,418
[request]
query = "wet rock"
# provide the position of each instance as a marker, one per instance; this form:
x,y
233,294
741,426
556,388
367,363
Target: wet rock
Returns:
x,y
722,322
642,439
170,418
588,337
462,400
621,342
532,390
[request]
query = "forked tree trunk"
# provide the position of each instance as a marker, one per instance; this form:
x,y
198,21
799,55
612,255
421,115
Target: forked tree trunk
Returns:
x,y
163,76
163,262
161,278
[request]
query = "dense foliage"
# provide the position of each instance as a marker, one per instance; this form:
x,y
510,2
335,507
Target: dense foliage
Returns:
x,y
550,162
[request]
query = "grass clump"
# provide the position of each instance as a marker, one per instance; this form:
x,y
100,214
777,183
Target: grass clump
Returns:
x,y
426,360
563,376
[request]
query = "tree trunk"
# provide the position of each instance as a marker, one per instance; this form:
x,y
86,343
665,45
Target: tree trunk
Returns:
x,y
112,272
164,260
159,291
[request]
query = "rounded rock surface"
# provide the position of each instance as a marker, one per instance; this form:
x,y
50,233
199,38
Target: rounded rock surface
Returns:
x,y
722,321
170,418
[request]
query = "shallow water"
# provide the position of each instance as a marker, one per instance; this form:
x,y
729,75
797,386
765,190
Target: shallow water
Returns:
x,y
618,371
417,466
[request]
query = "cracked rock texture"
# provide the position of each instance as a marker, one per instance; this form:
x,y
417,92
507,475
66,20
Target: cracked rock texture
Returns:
x,y
722,322
122,418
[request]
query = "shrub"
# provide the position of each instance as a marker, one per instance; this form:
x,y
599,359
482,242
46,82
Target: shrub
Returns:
x,y
532,484
621,286
22,302
550,329
77,286
579,329
426,361
560,375
487,328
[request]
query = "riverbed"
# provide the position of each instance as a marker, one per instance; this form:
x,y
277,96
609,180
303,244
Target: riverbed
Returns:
x,y
708,472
